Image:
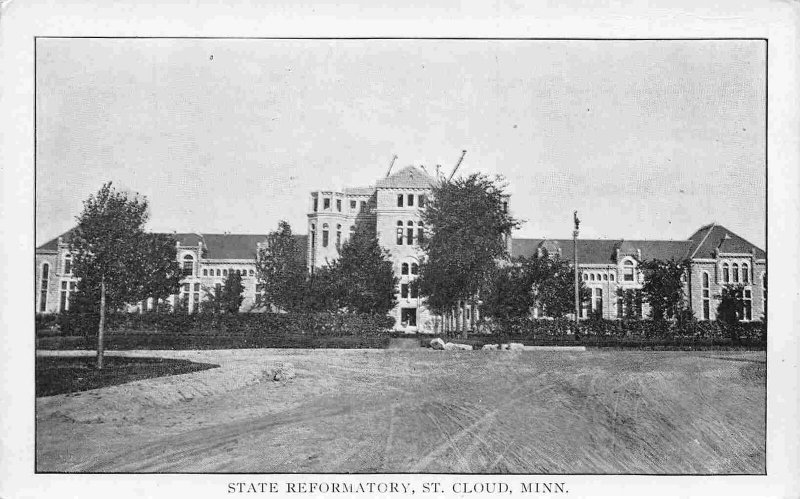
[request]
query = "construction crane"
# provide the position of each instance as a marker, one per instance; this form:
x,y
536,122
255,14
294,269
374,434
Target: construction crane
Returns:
x,y
463,152
391,165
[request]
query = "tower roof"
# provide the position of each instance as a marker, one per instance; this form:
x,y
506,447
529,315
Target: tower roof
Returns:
x,y
409,177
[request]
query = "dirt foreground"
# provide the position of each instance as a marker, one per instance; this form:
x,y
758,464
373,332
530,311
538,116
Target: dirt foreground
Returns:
x,y
369,411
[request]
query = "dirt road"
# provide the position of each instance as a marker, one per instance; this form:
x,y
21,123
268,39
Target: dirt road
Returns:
x,y
421,411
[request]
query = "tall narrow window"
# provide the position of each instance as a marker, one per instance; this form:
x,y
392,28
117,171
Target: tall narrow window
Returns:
x,y
399,200
205,272
410,233
363,206
421,201
726,276
735,268
420,232
404,290
410,200
399,232
316,204
188,265
706,296
313,237
68,264
324,235
620,311
404,269
353,205
598,300
352,230
219,272
339,205
326,203
338,236
748,305
745,273
64,293
764,293
414,269
43,287
505,206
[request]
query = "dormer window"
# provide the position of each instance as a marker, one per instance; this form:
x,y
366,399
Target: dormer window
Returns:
x,y
628,271
188,265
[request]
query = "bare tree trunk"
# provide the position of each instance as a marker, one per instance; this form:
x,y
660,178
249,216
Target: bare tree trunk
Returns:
x,y
101,327
462,305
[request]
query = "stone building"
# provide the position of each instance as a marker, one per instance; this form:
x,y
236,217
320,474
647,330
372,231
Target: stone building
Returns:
x,y
717,257
206,261
393,206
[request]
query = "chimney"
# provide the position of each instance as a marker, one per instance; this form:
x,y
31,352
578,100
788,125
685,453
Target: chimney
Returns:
x,y
617,252
60,240
639,254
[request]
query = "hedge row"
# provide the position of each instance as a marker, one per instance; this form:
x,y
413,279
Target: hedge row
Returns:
x,y
294,324
627,333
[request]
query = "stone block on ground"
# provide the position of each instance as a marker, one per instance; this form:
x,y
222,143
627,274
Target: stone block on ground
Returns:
x,y
437,344
490,347
457,346
281,372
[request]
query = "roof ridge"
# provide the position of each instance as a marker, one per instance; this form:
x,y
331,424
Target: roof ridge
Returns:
x,y
710,230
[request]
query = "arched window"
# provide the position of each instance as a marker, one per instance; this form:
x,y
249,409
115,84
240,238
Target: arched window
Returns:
x,y
745,273
68,264
612,277
252,272
188,265
324,235
735,268
410,233
585,277
404,269
706,296
628,270
726,276
591,277
399,232
338,235
414,269
219,272
45,283
352,230
224,272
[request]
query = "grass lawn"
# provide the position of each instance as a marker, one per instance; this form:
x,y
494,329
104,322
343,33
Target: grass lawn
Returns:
x,y
56,375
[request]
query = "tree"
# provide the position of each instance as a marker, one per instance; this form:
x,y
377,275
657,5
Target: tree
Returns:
x,y
469,226
232,293
115,260
632,302
663,287
281,270
364,274
510,294
731,304
553,284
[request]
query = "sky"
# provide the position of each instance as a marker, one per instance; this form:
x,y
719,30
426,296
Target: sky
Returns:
x,y
646,139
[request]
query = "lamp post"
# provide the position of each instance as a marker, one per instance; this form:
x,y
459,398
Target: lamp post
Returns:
x,y
575,265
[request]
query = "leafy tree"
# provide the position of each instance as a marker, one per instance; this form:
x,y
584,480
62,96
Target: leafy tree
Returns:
x,y
364,274
232,293
731,304
663,287
115,260
509,295
546,282
554,285
632,301
281,270
468,226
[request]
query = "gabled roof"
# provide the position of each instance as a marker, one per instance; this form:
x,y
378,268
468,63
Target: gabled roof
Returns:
x,y
52,245
713,237
603,251
219,246
409,177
